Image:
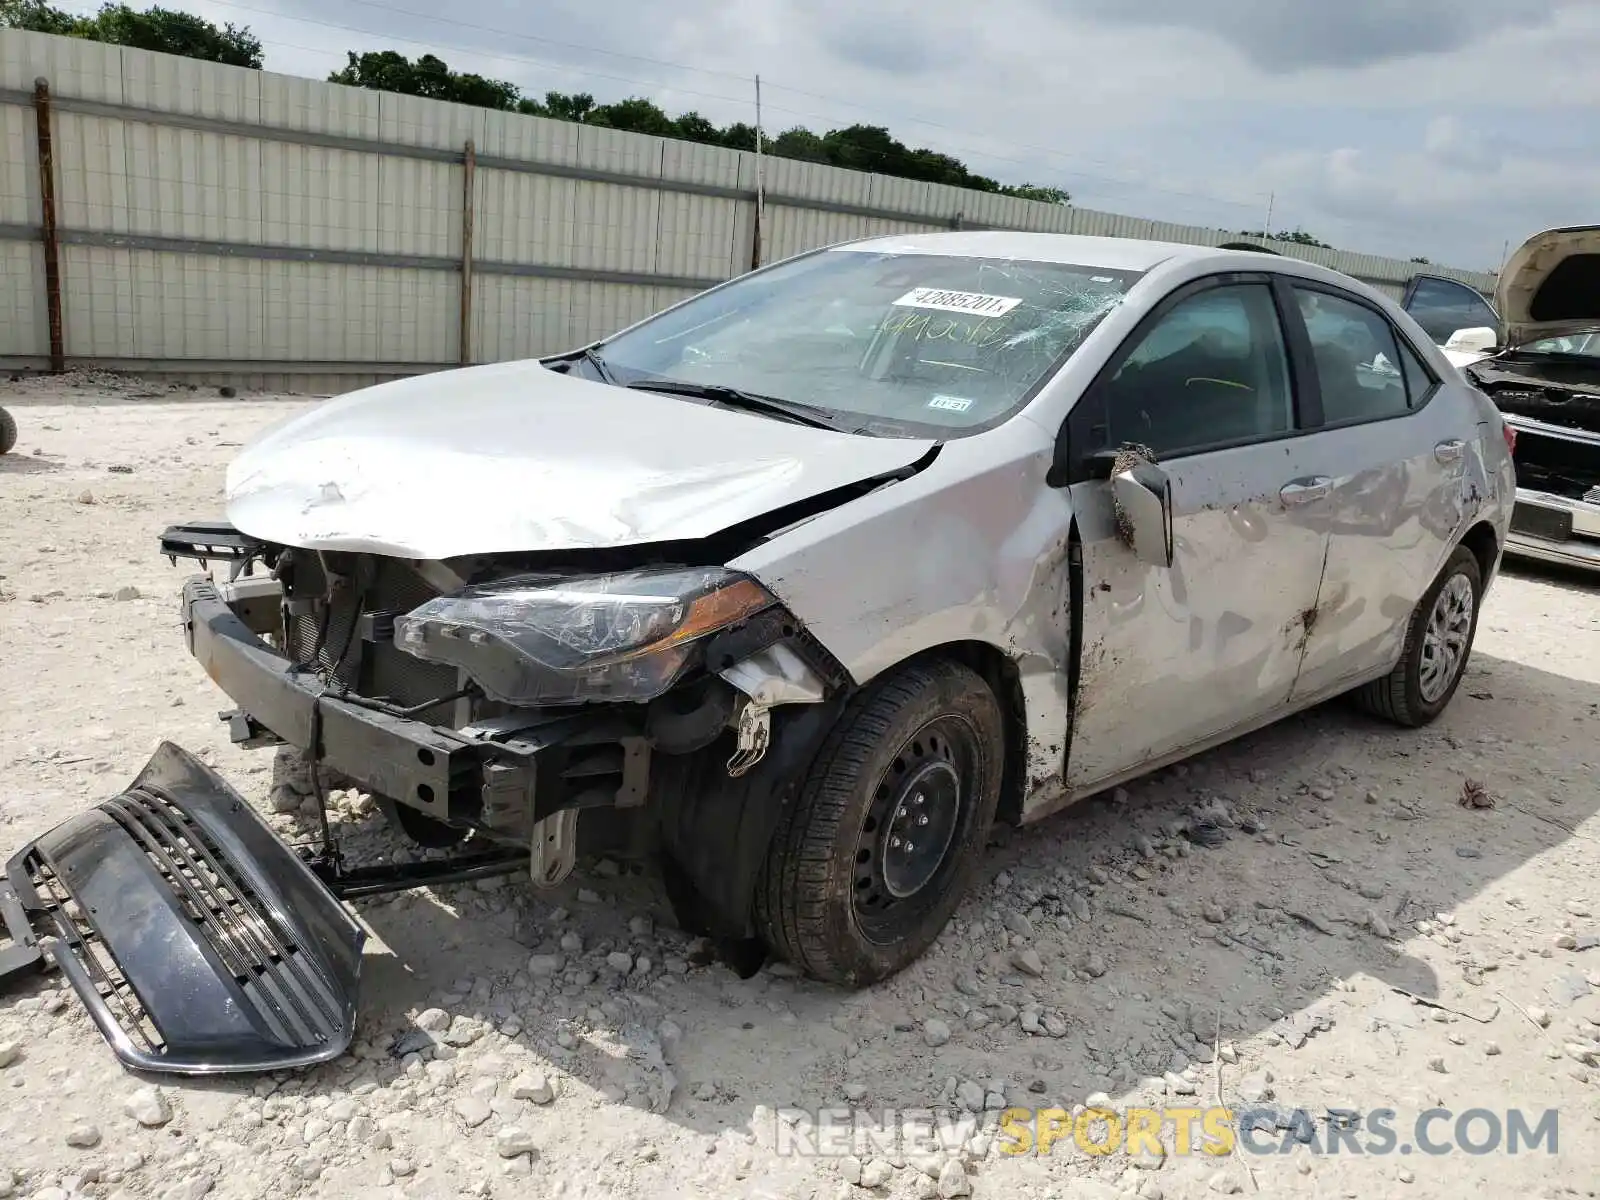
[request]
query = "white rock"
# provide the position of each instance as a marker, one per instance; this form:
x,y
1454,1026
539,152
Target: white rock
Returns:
x,y
402,1168
953,1180
620,961
542,966
192,1188
315,1130
935,1032
464,1031
10,1052
1028,962
876,1174
850,1170
473,1111
1540,1017
512,1141
855,1092
434,1020
83,1136
534,1086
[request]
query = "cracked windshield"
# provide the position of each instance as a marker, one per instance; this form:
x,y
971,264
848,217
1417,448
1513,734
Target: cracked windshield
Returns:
x,y
887,342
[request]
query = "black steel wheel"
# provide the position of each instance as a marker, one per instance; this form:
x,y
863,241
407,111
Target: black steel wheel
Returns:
x,y
418,827
877,848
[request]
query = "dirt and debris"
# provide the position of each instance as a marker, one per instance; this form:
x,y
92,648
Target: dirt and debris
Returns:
x,y
1475,795
1272,923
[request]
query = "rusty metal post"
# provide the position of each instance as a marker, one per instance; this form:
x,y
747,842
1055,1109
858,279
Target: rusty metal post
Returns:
x,y
47,227
469,164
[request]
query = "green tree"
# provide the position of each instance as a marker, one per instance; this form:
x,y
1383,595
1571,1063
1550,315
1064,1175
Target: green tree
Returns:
x,y
1298,236
634,115
1039,192
155,28
429,77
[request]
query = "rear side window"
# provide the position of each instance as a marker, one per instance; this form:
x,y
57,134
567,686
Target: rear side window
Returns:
x,y
1442,307
1419,380
1358,361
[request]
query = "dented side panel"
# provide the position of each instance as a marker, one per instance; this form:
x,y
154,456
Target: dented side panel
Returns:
x,y
1400,503
973,549
1172,656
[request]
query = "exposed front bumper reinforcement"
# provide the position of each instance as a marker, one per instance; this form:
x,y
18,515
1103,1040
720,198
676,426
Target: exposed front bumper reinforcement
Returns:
x,y
198,940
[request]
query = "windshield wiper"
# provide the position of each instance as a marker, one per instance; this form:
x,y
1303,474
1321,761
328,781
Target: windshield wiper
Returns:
x,y
592,357
731,397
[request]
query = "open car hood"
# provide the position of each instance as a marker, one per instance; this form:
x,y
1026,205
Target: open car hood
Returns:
x,y
515,457
1550,287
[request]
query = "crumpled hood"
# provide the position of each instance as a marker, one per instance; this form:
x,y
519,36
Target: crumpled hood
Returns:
x,y
515,457
1550,287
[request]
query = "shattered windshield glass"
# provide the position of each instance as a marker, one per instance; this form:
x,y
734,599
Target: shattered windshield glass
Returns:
x,y
888,342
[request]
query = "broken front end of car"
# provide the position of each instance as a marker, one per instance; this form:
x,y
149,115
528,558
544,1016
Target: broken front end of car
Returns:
x,y
1552,408
498,708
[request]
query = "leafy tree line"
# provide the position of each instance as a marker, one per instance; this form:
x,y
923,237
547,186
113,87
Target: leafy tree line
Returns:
x,y
859,147
1298,236
155,28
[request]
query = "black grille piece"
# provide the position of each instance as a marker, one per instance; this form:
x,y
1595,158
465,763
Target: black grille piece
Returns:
x,y
1560,466
198,941
1553,524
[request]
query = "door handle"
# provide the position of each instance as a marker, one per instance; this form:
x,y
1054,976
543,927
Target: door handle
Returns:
x,y
1305,491
1450,451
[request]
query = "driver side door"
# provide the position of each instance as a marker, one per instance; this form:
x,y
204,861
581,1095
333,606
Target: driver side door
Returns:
x,y
1175,655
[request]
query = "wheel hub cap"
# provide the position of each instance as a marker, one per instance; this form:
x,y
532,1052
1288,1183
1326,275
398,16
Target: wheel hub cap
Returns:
x,y
920,829
1444,640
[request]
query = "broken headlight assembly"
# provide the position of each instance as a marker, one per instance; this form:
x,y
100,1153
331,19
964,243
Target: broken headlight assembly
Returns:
x,y
538,639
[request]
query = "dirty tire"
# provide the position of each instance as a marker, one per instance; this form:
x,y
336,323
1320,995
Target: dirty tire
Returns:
x,y
1399,696
8,431
808,904
418,827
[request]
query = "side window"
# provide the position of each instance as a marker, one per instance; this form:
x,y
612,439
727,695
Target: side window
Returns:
x,y
1442,307
1212,370
1419,380
1357,360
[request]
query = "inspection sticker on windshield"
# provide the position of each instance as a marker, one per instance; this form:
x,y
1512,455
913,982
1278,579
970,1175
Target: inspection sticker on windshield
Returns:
x,y
950,403
975,303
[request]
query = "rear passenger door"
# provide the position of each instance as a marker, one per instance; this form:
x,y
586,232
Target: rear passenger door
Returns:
x,y
1387,473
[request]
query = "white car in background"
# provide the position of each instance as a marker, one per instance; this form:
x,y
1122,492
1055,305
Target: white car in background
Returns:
x,y
1540,363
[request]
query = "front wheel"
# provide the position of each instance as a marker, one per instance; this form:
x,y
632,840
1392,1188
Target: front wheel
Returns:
x,y
870,860
1438,644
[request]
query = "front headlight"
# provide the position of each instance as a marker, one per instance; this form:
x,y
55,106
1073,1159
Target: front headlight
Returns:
x,y
533,640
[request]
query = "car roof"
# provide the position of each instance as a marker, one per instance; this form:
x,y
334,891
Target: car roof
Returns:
x,y
1112,253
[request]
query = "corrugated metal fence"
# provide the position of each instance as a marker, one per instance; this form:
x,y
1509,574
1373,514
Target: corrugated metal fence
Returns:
x,y
215,222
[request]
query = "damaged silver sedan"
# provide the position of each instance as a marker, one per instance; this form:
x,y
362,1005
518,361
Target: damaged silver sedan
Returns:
x,y
795,589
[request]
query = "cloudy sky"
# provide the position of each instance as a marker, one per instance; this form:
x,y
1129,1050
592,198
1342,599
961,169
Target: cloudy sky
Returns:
x,y
1443,128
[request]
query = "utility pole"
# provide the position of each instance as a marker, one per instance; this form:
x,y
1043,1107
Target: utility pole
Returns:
x,y
1267,229
761,195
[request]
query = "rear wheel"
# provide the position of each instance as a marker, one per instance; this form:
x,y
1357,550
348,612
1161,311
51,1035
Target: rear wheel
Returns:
x,y
1438,644
880,843
8,431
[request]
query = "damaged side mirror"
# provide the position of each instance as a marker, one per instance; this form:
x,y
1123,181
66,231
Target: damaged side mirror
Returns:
x,y
1142,495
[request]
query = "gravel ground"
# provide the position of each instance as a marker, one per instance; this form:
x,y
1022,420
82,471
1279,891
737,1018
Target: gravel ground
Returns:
x,y
1355,938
